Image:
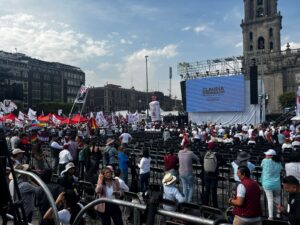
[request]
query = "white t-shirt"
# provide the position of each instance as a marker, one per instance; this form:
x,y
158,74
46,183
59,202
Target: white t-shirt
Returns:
x,y
144,165
65,156
109,191
125,137
293,168
64,215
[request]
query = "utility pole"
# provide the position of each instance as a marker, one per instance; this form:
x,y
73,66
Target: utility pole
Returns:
x,y
147,95
170,77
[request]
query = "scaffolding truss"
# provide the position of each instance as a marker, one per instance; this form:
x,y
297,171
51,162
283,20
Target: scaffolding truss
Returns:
x,y
207,68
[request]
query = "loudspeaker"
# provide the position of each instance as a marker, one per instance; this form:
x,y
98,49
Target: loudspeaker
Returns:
x,y
183,94
253,85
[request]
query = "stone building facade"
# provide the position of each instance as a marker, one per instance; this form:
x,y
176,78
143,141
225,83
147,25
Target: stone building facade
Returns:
x,y
279,70
112,98
38,81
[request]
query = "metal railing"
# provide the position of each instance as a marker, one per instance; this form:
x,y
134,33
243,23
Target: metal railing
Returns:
x,y
176,215
45,189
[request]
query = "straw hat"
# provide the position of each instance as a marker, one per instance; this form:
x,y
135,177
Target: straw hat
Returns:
x,y
109,141
24,167
68,166
17,151
168,179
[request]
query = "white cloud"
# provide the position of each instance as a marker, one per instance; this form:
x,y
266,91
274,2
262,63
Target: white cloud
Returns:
x,y
238,45
199,29
133,70
293,45
186,28
123,41
53,41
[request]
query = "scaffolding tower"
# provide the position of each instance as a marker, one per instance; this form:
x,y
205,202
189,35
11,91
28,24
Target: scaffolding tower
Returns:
x,y
207,68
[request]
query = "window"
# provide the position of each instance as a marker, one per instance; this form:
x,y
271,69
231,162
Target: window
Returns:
x,y
261,43
271,45
259,2
47,91
36,76
251,48
46,77
251,36
260,12
271,32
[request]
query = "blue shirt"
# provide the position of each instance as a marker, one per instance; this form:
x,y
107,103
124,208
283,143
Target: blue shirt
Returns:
x,y
123,161
171,192
270,177
235,167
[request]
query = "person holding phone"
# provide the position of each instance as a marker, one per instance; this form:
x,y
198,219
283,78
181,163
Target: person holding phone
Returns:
x,y
107,187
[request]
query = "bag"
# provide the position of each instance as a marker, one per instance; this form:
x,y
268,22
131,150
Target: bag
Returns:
x,y
210,162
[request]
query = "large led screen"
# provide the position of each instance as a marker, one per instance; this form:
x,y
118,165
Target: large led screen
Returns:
x,y
215,94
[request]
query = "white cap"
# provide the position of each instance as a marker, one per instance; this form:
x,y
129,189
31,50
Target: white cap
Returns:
x,y
270,152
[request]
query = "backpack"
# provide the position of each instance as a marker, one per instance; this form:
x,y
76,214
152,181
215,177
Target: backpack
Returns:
x,y
210,162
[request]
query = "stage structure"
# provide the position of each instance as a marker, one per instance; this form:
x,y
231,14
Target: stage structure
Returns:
x,y
218,91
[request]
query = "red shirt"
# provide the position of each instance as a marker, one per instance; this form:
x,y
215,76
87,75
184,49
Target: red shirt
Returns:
x,y
170,162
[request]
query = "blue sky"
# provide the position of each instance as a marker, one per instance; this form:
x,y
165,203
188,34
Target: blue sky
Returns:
x,y
109,39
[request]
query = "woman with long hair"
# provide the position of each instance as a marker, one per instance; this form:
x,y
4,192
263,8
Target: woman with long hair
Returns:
x,y
270,179
69,201
107,187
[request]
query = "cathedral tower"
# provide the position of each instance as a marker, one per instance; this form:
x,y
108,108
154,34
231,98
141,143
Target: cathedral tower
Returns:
x,y
261,27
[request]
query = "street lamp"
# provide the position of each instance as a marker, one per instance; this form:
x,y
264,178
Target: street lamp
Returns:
x,y
147,101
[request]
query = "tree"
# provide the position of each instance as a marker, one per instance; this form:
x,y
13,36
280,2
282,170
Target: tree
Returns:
x,y
287,99
52,107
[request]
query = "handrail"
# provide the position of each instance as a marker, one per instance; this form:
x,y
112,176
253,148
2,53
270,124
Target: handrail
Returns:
x,y
177,215
46,190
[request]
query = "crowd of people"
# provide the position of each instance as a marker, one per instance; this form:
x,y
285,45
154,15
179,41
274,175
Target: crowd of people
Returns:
x,y
105,160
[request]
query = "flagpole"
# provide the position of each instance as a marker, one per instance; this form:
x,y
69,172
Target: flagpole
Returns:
x,y
83,104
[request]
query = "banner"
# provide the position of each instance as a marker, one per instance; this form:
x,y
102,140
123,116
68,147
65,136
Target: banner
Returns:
x,y
100,120
298,102
31,114
133,118
55,120
155,111
81,96
21,116
8,106
19,123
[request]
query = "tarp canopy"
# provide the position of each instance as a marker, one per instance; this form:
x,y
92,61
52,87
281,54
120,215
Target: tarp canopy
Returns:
x,y
296,118
79,119
45,119
10,116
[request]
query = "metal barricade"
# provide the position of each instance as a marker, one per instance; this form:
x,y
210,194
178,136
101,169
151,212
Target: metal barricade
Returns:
x,y
176,215
46,190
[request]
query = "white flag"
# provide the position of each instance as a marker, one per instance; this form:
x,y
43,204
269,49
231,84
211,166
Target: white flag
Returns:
x,y
91,115
31,114
81,95
21,116
8,106
19,123
55,120
100,119
113,119
59,112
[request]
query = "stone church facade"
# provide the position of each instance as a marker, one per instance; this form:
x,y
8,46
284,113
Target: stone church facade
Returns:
x,y
279,69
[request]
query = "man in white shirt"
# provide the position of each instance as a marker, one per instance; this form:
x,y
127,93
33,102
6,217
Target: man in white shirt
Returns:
x,y
125,138
55,149
64,158
123,185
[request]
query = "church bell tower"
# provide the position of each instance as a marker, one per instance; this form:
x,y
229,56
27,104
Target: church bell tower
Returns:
x,y
261,27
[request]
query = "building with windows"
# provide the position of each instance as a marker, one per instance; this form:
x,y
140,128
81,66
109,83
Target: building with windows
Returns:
x,y
38,81
279,70
112,98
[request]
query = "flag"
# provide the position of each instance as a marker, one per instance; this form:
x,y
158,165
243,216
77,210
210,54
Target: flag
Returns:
x,y
100,120
91,115
113,119
55,120
31,114
19,123
92,123
81,95
21,116
8,106
59,112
